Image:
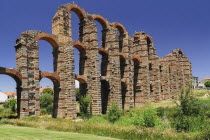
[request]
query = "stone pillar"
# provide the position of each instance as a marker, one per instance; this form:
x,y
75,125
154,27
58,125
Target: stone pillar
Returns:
x,y
165,79
126,86
90,40
114,76
141,50
129,75
61,27
22,67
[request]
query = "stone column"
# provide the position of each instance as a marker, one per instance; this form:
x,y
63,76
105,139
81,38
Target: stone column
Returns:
x,y
61,27
22,67
114,76
89,38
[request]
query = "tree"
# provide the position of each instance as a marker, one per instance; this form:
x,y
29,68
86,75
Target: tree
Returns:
x,y
48,90
207,83
46,99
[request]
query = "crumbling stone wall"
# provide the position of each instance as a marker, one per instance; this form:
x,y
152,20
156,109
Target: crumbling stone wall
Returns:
x,y
131,73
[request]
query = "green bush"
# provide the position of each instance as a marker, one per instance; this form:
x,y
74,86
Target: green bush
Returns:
x,y
161,112
85,107
46,99
43,111
114,113
49,109
6,105
12,105
204,135
150,117
190,114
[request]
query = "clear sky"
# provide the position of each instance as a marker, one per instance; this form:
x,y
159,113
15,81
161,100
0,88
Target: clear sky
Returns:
x,y
173,24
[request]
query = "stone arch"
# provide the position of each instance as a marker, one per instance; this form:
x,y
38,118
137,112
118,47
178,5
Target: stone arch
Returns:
x,y
18,79
136,59
104,23
75,8
56,82
120,27
51,39
149,39
12,73
51,75
80,46
81,79
121,34
82,56
83,86
47,37
102,51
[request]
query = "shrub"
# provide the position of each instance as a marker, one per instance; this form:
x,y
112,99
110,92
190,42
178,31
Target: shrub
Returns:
x,y
85,107
49,109
114,113
43,111
46,99
12,105
150,117
190,113
204,135
161,112
6,105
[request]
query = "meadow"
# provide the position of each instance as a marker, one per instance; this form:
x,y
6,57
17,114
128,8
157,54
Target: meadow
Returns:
x,y
187,118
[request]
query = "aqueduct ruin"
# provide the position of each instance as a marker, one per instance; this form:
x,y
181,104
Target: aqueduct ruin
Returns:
x,y
131,74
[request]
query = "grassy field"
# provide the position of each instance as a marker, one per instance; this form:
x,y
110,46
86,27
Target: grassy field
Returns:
x,y
154,121
10,132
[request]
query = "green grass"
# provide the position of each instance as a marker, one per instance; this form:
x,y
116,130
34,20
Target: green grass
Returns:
x,y
127,127
1,106
10,132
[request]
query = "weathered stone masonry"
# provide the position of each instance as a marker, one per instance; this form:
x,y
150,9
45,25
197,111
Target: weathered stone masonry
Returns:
x,y
130,75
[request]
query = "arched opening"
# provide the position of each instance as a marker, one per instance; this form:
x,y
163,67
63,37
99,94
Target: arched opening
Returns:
x,y
75,27
49,94
105,91
101,29
81,91
10,89
76,21
76,61
123,91
149,44
121,34
102,55
135,79
103,62
46,58
79,58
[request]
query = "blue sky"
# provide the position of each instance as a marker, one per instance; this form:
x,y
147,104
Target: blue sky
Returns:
x,y
173,24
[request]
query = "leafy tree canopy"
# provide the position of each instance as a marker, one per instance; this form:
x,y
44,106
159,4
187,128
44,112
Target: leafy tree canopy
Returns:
x,y
207,83
48,90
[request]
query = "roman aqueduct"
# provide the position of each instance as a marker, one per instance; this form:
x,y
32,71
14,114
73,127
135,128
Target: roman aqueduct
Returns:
x,y
131,74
